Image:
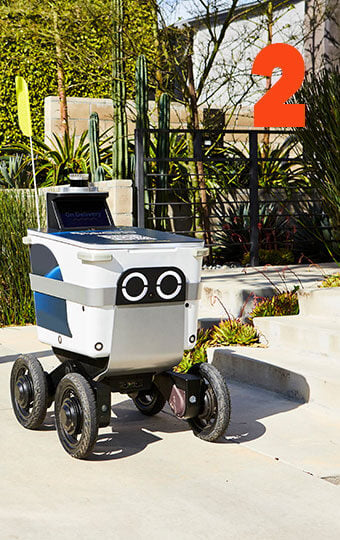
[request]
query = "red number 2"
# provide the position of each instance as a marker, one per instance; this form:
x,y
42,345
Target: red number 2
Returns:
x,y
271,110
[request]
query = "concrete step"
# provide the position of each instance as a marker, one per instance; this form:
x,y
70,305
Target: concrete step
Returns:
x,y
305,435
300,376
320,302
319,335
229,288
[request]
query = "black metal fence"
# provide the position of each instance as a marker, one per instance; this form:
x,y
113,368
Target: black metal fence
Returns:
x,y
221,187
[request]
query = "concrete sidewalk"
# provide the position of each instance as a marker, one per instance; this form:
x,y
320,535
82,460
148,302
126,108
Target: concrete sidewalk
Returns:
x,y
151,478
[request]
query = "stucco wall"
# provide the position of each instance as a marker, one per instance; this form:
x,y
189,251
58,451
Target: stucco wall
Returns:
x,y
237,54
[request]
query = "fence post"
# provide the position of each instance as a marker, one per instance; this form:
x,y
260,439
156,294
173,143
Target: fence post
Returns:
x,y
139,177
254,199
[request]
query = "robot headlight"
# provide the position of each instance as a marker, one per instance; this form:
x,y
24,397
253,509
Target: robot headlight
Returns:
x,y
150,285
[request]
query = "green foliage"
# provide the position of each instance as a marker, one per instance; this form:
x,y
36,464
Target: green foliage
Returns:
x,y
14,172
196,355
63,156
275,228
278,305
320,139
228,332
27,48
271,256
277,172
17,214
97,172
233,332
142,109
142,93
332,280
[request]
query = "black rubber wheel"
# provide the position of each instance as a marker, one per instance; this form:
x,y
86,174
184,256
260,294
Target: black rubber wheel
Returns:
x,y
29,391
149,402
76,415
214,416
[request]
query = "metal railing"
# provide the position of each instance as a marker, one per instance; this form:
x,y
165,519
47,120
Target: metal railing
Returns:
x,y
152,200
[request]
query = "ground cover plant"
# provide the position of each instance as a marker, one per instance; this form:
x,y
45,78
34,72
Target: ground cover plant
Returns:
x,y
284,303
227,332
17,213
332,280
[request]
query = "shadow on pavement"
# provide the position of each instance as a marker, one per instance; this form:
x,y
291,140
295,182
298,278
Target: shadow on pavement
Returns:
x,y
13,357
130,432
249,405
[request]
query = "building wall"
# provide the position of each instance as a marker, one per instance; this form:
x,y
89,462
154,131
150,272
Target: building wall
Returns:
x,y
243,41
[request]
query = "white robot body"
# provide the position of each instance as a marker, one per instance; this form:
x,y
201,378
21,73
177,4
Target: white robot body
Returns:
x,y
76,295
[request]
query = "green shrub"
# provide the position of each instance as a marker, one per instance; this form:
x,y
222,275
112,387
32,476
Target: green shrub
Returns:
x,y
233,332
331,281
17,213
320,141
271,256
228,332
27,48
280,304
196,355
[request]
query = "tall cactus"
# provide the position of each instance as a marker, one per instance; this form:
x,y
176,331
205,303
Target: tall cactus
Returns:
x,y
120,162
142,98
142,119
163,150
97,172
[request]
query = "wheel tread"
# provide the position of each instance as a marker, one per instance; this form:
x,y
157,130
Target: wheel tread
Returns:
x,y
90,422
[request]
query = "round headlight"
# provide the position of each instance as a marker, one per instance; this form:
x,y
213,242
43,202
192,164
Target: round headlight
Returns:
x,y
169,285
135,286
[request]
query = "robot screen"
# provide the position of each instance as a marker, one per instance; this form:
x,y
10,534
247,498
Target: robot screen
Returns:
x,y
82,213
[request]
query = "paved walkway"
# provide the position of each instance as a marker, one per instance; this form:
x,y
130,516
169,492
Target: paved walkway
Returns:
x,y
150,478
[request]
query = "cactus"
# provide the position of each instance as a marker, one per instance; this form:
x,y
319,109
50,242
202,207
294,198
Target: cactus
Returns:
x,y
142,120
120,162
94,143
163,145
163,149
97,172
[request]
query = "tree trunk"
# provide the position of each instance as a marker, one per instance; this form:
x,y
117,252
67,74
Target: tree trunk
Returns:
x,y
61,78
200,196
269,15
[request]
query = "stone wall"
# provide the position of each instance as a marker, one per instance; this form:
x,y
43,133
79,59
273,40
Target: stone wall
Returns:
x,y
80,109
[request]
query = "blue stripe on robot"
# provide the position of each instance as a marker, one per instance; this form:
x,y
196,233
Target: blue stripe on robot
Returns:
x,y
51,312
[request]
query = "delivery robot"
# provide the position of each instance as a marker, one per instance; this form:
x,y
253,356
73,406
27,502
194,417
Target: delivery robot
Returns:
x,y
118,306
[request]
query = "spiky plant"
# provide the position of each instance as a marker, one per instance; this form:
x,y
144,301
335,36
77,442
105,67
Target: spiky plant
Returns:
x,y
331,281
233,332
163,150
196,355
97,172
278,305
320,140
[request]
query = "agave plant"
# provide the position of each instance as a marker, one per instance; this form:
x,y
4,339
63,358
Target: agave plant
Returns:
x,y
233,332
63,156
275,168
320,139
13,172
278,305
196,355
